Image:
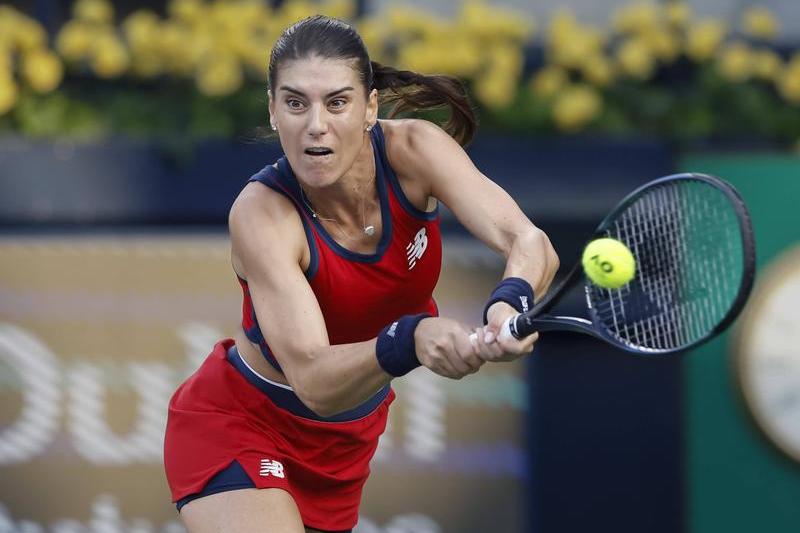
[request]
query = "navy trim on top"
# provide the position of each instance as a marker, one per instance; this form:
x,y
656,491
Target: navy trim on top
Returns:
x,y
386,216
268,176
285,398
410,208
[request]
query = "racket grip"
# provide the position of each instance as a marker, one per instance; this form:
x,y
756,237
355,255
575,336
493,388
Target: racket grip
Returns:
x,y
509,329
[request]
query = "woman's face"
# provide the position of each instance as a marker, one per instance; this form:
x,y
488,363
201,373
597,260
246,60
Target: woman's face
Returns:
x,y
321,112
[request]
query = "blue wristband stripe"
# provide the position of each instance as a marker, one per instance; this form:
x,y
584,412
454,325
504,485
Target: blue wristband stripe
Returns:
x,y
516,292
395,348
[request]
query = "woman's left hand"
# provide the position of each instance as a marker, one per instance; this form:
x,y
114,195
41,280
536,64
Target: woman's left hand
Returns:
x,y
491,347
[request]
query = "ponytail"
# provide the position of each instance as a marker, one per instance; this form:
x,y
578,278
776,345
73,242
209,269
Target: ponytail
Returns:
x,y
409,91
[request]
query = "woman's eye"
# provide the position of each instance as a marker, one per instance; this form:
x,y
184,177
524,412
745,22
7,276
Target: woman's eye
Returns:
x,y
294,104
338,103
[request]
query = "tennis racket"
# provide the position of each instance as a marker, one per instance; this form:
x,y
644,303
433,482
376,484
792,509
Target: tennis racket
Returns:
x,y
693,243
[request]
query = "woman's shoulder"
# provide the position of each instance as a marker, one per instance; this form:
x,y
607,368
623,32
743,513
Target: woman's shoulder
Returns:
x,y
409,142
262,220
258,204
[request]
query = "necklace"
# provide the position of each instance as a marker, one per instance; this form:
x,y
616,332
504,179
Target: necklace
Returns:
x,y
368,229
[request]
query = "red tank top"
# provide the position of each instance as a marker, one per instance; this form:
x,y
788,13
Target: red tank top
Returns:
x,y
358,293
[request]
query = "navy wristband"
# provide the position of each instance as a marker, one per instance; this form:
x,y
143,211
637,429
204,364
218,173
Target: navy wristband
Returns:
x,y
395,349
516,292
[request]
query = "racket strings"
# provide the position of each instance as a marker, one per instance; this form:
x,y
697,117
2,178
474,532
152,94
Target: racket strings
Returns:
x,y
685,237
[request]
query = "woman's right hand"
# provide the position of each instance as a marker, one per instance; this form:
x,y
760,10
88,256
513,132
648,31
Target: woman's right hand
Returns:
x,y
444,347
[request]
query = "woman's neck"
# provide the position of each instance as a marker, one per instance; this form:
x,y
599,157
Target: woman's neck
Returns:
x,y
353,193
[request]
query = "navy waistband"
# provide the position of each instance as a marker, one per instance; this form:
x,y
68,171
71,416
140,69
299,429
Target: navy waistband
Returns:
x,y
284,397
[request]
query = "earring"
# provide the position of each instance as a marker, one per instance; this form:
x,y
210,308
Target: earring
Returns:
x,y
274,127
368,128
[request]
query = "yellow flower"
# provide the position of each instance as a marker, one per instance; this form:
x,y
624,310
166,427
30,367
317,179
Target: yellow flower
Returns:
x,y
177,43
570,42
141,29
219,75
224,18
736,62
677,12
253,12
637,17
6,60
340,9
97,11
465,58
703,39
109,58
549,80
507,59
635,59
416,56
404,19
375,34
147,64
493,23
576,107
296,10
663,43
571,45
8,94
74,40
562,25
29,34
794,61
451,53
9,20
187,11
758,21
256,56
42,70
598,70
789,85
495,90
767,64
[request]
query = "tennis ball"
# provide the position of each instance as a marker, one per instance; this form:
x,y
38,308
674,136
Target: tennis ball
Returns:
x,y
608,263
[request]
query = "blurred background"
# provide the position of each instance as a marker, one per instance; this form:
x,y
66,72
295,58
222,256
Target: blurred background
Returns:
x,y
128,127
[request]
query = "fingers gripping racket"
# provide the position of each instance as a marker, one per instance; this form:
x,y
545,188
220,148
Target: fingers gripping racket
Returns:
x,y
692,240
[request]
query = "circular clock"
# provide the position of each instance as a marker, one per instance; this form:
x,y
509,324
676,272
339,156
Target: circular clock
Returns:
x,y
768,353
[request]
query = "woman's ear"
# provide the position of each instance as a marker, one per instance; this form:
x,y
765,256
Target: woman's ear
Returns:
x,y
372,107
271,106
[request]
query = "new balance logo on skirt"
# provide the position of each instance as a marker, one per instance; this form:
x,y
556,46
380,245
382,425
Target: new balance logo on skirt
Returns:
x,y
271,468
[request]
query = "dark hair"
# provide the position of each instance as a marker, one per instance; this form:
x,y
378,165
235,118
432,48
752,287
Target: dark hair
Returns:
x,y
406,91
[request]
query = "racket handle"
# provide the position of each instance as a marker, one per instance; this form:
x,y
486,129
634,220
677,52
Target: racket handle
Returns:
x,y
507,331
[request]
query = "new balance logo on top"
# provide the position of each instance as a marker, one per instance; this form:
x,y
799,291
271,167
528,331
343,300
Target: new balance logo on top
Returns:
x,y
416,248
524,301
271,468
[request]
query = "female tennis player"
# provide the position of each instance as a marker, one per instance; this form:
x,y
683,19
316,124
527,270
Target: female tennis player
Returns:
x,y
337,249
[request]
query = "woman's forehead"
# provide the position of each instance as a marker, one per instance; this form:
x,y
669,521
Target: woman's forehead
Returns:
x,y
315,74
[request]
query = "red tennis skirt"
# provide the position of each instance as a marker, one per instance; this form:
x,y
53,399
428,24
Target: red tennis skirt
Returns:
x,y
226,412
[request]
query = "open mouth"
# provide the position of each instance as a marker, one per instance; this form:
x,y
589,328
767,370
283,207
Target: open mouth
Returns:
x,y
318,151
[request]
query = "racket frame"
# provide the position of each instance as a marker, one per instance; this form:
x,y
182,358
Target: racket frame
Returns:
x,y
537,320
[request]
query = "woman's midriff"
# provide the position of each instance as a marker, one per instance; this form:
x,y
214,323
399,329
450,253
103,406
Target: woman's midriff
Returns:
x,y
253,357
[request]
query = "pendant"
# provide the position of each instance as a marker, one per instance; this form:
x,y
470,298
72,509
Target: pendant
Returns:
x,y
369,230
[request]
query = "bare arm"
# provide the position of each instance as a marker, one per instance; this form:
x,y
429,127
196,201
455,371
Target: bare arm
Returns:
x,y
268,241
439,167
